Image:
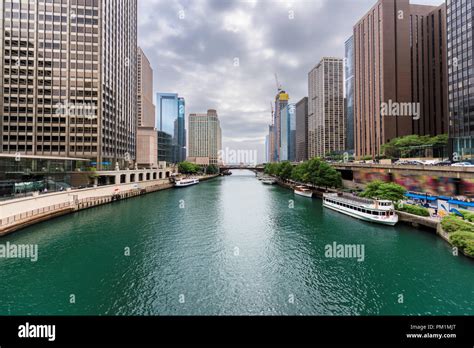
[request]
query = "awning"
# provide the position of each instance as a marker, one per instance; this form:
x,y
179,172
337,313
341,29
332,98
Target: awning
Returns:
x,y
415,196
461,203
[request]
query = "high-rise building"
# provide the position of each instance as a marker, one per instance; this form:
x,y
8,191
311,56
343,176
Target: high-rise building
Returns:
x,y
302,130
349,88
281,101
165,147
326,124
267,149
288,133
205,138
68,79
399,60
461,78
147,137
170,118
271,144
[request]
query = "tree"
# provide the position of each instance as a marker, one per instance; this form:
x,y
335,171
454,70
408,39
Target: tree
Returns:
x,y
285,170
380,190
188,168
212,169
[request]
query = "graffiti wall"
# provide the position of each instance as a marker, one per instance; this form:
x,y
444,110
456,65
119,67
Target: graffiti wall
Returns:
x,y
435,185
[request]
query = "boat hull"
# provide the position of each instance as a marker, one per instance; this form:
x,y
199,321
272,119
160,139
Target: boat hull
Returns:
x,y
387,222
303,194
186,184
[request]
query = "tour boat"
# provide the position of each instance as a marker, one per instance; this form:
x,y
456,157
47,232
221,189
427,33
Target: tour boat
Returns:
x,y
268,181
303,191
378,211
186,182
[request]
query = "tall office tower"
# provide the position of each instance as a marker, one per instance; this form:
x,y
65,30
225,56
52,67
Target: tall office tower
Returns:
x,y
180,131
288,133
205,138
326,122
266,148
302,130
68,79
271,144
400,61
281,101
147,136
349,87
170,118
460,78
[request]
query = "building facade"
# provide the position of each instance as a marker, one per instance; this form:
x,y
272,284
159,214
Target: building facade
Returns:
x,y
165,147
147,136
326,124
349,88
63,92
461,78
301,137
205,138
399,60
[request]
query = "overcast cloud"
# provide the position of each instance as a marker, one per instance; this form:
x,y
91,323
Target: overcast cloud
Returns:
x,y
193,45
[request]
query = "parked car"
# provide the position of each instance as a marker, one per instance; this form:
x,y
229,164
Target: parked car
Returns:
x,y
462,164
445,163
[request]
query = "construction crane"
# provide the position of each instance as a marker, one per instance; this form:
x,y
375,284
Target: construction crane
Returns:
x,y
277,83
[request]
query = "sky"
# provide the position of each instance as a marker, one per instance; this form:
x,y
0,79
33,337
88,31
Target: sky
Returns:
x,y
223,54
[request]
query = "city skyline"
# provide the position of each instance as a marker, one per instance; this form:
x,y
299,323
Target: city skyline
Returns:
x,y
239,46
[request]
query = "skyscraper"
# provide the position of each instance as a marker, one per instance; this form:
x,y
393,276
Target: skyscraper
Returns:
x,y
281,101
288,133
326,124
399,60
461,78
205,138
64,92
147,137
170,119
302,130
349,87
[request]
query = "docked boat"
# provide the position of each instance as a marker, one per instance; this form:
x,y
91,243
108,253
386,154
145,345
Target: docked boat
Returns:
x,y
303,191
268,181
378,211
186,182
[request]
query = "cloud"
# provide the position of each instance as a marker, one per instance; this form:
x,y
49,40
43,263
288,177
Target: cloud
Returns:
x,y
222,54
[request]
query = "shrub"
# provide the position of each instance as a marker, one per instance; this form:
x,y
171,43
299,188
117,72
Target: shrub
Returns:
x,y
463,240
453,224
414,209
468,215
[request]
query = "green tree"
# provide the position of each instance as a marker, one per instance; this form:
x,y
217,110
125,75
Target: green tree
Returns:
x,y
212,169
188,168
381,190
285,170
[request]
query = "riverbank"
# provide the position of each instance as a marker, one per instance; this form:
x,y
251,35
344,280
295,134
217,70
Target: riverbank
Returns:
x,y
413,220
23,212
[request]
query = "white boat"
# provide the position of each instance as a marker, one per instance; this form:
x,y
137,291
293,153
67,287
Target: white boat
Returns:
x,y
378,211
303,191
268,181
186,182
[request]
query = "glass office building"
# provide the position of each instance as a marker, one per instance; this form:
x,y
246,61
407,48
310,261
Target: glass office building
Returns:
x,y
170,119
288,133
461,78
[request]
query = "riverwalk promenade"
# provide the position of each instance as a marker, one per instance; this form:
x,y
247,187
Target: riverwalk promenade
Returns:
x,y
19,213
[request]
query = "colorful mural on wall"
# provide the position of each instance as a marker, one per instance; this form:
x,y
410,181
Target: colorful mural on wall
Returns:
x,y
434,185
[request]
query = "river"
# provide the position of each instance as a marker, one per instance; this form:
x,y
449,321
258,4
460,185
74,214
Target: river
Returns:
x,y
230,246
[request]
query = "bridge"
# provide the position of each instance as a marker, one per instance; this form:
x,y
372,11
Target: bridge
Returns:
x,y
255,169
